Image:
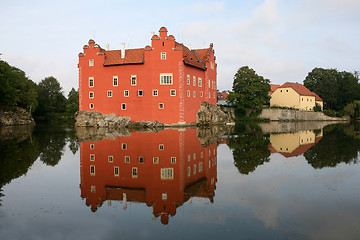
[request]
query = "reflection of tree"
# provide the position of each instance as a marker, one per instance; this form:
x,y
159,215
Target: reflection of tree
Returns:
x,y
250,148
73,142
337,146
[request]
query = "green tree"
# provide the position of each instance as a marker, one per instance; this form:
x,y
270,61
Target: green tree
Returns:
x,y
72,103
50,99
250,91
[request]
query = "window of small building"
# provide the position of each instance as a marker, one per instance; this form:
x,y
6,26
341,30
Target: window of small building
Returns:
x,y
91,94
92,170
155,92
93,189
126,93
164,196
91,62
163,55
161,106
116,171
123,106
115,81
172,92
166,78
123,146
127,159
109,93
155,160
167,173
91,81
134,172
110,158
161,146
140,93
141,159
133,80
91,105
188,79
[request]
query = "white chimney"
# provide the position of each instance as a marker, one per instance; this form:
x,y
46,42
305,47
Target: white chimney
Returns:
x,y
189,46
107,47
122,50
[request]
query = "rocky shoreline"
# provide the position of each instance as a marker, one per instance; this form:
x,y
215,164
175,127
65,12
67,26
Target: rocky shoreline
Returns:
x,y
18,117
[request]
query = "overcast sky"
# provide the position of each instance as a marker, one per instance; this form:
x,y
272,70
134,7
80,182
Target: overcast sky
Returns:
x,y
281,40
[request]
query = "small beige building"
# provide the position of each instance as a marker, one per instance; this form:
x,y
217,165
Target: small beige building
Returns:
x,y
295,95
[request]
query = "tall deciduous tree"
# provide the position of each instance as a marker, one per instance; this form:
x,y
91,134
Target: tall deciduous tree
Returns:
x,y
72,104
250,91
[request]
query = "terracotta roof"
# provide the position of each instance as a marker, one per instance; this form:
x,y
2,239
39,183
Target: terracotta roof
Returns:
x,y
301,89
132,56
222,96
191,57
273,87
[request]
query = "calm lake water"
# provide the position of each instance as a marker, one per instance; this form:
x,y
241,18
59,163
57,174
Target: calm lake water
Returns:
x,y
268,181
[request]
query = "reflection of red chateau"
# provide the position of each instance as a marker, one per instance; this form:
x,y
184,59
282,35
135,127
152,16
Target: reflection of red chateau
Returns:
x,y
161,169
163,82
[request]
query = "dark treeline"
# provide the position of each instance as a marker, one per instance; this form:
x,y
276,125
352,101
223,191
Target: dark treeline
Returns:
x,y
44,100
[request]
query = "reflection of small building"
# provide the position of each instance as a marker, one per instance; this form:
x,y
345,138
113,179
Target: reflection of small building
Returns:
x,y
162,170
293,144
295,95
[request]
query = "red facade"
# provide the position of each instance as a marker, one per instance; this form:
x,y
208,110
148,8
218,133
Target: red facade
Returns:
x,y
162,170
163,82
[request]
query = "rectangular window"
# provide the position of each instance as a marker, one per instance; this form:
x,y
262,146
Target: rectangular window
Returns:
x,y
123,106
194,169
91,106
188,93
155,160
173,159
166,78
91,81
141,159
91,62
93,189
133,80
124,146
111,158
92,157
201,154
127,159
116,171
140,93
91,94
172,92
109,93
155,92
200,82
214,94
194,94
134,172
209,84
126,93
194,156
164,196
115,81
212,65
92,170
188,171
161,146
161,106
167,173
188,79
92,146
189,158
200,166
194,80
163,55
201,94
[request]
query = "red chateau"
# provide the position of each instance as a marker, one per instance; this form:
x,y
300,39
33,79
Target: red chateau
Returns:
x,y
162,170
163,82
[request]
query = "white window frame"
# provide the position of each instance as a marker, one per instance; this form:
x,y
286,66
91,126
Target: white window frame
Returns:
x,y
134,172
92,157
126,93
194,80
173,159
172,92
166,79
167,173
163,55
200,82
91,95
194,94
127,159
91,62
201,94
109,93
188,79
116,171
92,146
133,80
91,82
92,170
115,81
161,146
188,93
123,146
161,105
155,92
140,91
110,158
141,159
91,106
123,106
156,160
93,189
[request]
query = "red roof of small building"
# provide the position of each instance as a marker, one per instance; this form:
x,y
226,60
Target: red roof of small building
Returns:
x,y
222,96
301,89
132,56
273,87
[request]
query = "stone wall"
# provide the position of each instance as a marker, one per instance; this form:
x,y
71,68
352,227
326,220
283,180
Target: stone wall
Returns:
x,y
295,115
288,127
18,117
